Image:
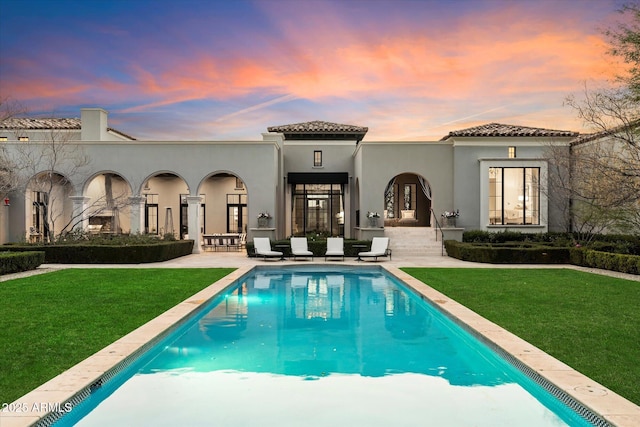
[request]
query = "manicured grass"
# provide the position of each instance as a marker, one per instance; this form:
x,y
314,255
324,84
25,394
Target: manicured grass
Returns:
x,y
588,321
52,321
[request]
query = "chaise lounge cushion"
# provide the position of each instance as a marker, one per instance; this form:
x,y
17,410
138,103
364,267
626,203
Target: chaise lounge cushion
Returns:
x,y
379,248
262,246
335,247
299,247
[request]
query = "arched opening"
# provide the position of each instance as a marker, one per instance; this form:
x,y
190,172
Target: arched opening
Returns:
x,y
108,205
223,204
49,207
165,205
407,201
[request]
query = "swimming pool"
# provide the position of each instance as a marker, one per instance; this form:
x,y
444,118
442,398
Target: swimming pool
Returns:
x,y
340,346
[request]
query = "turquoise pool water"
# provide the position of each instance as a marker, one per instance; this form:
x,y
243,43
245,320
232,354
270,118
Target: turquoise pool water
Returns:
x,y
308,346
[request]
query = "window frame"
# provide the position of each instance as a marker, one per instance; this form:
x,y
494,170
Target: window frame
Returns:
x,y
485,223
317,158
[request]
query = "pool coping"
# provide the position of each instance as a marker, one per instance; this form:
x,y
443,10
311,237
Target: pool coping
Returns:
x,y
49,401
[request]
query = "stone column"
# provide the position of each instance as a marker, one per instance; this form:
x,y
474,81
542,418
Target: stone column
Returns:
x,y
79,212
137,214
194,221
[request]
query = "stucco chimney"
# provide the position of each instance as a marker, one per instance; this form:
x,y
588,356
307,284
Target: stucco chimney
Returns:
x,y
94,124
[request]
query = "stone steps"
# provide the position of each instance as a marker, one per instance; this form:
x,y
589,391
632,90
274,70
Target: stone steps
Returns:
x,y
413,241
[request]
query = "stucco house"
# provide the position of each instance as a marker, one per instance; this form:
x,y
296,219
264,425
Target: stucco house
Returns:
x,y
316,177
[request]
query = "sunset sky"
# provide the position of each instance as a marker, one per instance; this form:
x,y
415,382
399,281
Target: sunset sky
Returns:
x,y
219,70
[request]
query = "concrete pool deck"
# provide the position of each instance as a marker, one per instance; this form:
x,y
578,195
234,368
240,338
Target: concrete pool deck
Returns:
x,y
51,396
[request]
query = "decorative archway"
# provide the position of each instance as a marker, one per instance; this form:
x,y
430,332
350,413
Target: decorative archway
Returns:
x,y
165,196
407,201
223,204
48,206
108,204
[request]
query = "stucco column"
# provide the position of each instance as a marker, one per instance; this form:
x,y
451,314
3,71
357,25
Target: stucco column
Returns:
x,y
194,221
79,212
137,214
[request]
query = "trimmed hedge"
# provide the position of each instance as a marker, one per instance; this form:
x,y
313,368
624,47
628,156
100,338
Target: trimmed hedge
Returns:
x,y
508,253
605,260
104,254
15,262
536,253
622,244
318,247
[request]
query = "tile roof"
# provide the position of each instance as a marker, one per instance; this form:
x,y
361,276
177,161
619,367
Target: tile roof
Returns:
x,y
500,130
323,130
50,123
629,131
33,123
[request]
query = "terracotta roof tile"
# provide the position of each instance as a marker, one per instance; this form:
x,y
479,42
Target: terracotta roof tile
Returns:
x,y
500,130
50,123
35,123
320,130
317,127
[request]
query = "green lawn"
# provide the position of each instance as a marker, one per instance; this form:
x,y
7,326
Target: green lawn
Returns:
x,y
588,321
52,321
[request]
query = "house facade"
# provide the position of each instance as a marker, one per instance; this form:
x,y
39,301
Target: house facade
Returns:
x,y
314,178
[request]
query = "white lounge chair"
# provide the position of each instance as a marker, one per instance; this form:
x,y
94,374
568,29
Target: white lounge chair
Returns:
x,y
262,248
335,247
379,248
299,247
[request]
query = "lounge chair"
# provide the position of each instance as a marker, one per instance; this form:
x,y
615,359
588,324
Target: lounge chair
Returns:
x,y
299,247
379,248
335,247
262,248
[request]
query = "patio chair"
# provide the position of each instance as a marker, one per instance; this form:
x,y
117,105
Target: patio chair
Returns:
x,y
262,248
335,247
379,248
299,248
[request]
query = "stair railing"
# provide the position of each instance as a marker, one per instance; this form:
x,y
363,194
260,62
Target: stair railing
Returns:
x,y
438,228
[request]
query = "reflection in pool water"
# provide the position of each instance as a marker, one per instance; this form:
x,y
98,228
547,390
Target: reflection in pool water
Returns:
x,y
318,347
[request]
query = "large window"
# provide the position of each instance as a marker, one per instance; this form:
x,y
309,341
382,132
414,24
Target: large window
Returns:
x,y
318,209
151,214
39,213
236,213
514,196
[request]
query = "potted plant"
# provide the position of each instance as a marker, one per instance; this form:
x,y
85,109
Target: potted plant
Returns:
x,y
449,218
263,219
373,218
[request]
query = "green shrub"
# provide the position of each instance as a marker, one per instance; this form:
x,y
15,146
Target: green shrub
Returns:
x,y
88,253
508,253
609,261
15,262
